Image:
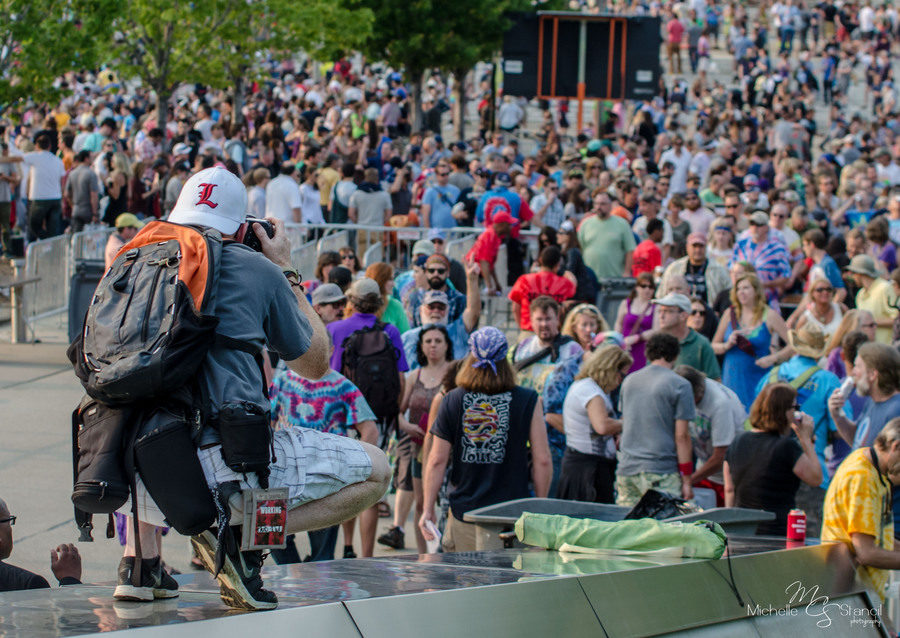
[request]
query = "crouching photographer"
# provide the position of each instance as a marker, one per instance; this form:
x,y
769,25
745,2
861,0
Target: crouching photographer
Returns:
x,y
250,300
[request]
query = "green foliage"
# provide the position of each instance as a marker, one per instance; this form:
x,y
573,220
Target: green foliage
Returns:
x,y
42,39
321,28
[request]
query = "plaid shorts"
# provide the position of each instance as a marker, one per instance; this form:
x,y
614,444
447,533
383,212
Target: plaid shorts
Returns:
x,y
311,464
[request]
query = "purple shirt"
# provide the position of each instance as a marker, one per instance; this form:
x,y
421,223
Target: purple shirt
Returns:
x,y
340,330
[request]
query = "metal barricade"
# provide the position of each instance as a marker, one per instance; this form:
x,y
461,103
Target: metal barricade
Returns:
x,y
50,260
90,244
458,248
374,254
334,241
304,259
296,234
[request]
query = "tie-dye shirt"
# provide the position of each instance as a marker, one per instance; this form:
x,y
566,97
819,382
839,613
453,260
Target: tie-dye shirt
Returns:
x,y
330,404
858,501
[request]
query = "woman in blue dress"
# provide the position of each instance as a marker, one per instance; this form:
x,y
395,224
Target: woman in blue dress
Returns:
x,y
745,337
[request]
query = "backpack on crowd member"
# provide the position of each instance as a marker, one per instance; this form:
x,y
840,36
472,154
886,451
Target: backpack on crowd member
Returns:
x,y
797,383
369,360
146,334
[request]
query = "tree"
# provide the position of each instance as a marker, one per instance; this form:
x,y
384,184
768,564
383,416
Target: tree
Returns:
x,y
321,28
423,34
43,39
164,43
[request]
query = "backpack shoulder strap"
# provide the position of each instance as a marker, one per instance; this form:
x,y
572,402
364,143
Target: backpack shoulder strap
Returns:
x,y
800,381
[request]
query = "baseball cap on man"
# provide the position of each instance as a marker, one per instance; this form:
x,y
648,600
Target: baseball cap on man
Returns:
x,y
435,296
181,149
327,293
363,288
502,179
214,197
423,247
759,218
675,300
696,238
128,220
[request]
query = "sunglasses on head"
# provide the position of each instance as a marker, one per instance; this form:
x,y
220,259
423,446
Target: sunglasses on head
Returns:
x,y
436,271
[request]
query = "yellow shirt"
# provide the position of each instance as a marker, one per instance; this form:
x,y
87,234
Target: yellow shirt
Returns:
x,y
878,300
859,501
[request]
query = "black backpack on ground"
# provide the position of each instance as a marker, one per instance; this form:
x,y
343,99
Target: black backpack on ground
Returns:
x,y
369,361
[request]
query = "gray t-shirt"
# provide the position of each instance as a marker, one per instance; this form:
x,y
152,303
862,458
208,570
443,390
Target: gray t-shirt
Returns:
x,y
80,183
254,303
652,399
370,206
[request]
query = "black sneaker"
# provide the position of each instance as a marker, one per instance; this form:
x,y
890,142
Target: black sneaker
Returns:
x,y
155,582
348,551
393,538
240,584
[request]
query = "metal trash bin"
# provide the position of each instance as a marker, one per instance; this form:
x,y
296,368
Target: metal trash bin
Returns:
x,y
84,280
613,290
491,520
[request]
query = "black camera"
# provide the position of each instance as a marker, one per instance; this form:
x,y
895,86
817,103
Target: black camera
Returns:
x,y
248,237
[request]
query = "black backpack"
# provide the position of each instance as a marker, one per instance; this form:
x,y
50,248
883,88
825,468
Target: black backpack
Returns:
x,y
369,361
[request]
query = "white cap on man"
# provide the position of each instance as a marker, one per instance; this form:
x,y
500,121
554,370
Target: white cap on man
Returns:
x,y
214,197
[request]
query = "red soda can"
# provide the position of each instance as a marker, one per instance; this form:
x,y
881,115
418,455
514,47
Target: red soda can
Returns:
x,y
796,525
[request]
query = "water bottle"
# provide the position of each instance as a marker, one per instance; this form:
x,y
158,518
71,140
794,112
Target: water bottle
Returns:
x,y
846,388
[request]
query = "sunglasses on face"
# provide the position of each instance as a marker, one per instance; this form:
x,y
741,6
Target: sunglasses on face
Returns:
x,y
442,174
9,519
645,286
698,313
732,205
436,271
437,241
824,290
349,257
436,306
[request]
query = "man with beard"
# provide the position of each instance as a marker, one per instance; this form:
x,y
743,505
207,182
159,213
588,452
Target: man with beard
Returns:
x,y
437,270
876,372
435,309
535,357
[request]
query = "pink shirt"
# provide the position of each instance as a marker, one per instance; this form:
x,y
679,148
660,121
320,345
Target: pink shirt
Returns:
x,y
675,29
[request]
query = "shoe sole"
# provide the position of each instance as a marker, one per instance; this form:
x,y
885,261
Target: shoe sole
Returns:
x,y
134,594
142,594
231,588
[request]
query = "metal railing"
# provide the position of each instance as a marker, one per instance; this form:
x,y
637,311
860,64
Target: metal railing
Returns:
x,y
50,260
53,260
304,259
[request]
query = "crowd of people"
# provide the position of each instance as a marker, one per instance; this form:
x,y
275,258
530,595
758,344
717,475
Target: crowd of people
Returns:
x,y
754,223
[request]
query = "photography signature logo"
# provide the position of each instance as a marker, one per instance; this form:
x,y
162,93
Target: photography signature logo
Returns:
x,y
819,606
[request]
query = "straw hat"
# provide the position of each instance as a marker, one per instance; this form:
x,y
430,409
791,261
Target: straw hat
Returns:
x,y
808,341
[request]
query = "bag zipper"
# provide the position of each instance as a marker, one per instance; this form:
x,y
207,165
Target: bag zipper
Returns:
x,y
161,267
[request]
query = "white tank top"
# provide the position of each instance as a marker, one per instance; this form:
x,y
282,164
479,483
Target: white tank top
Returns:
x,y
827,328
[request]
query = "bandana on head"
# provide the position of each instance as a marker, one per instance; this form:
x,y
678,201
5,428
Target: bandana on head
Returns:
x,y
488,345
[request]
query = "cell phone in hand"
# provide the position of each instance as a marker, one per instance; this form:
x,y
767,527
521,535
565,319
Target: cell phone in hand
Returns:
x,y
247,236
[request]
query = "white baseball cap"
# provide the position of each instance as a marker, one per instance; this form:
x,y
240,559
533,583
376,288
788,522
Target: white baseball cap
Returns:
x,y
214,197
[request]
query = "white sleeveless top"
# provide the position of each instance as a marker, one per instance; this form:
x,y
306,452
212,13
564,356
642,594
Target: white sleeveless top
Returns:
x,y
827,328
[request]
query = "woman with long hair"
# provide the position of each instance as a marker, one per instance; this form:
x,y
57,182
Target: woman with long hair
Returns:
x,y
392,312
635,319
586,284
745,337
487,425
350,260
763,467
435,356
583,323
720,246
822,310
589,464
117,185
